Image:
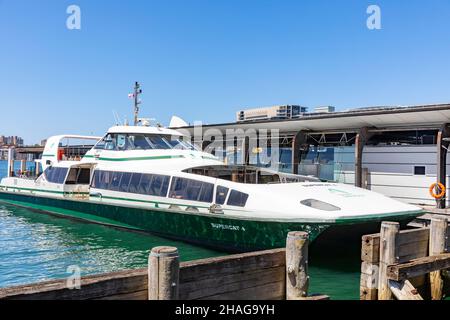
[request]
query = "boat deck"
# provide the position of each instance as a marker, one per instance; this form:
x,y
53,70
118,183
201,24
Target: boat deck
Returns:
x,y
425,220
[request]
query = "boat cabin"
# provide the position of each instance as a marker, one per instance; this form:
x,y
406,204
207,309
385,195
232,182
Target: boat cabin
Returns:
x,y
248,174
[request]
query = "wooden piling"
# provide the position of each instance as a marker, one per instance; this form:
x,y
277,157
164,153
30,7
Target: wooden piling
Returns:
x,y
297,279
404,290
388,256
163,273
438,236
370,256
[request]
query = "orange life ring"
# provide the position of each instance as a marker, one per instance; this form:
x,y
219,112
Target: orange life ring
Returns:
x,y
440,195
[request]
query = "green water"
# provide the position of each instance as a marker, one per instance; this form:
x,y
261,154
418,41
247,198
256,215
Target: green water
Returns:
x,y
37,247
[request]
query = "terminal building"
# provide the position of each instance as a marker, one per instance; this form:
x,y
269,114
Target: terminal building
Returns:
x,y
396,151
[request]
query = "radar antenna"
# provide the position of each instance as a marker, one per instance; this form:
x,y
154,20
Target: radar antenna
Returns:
x,y
137,101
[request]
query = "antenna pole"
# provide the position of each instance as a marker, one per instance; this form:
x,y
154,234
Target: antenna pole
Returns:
x,y
137,102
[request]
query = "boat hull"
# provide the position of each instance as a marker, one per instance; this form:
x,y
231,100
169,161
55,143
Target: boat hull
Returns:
x,y
212,230
215,231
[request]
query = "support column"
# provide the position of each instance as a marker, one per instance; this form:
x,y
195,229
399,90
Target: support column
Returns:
x,y
11,156
299,140
245,150
441,164
361,139
23,166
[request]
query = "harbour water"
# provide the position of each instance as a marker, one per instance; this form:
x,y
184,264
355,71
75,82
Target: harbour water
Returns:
x,y
37,247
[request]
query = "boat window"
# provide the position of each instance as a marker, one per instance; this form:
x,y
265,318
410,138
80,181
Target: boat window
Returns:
x,y
72,177
125,182
102,179
159,186
115,181
107,143
320,205
237,199
139,142
145,183
221,194
188,189
178,143
121,142
134,183
55,174
158,142
78,176
84,176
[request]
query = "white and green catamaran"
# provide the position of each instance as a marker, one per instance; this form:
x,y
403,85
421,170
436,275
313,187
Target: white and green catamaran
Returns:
x,y
150,179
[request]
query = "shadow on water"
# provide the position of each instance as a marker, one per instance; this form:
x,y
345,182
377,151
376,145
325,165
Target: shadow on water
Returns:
x,y
334,269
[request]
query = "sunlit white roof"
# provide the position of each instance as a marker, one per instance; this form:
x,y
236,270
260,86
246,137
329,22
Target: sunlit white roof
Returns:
x,y
428,116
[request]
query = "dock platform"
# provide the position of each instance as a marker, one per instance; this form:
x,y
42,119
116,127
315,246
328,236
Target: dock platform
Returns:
x,y
425,220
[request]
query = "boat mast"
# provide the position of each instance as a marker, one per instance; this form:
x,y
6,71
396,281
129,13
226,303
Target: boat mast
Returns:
x,y
137,101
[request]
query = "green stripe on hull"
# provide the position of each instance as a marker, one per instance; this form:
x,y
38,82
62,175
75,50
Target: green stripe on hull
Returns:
x,y
215,231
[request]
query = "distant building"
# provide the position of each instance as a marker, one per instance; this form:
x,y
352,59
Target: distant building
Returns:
x,y
325,109
271,113
12,141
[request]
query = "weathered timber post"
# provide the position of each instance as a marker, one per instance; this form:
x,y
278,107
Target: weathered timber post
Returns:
x,y
388,255
370,267
438,237
163,273
297,279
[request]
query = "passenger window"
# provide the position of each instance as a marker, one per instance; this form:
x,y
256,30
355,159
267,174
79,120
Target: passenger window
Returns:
x,y
237,199
134,183
125,182
96,179
159,186
145,183
115,182
101,179
72,177
221,194
206,192
56,175
84,176
188,189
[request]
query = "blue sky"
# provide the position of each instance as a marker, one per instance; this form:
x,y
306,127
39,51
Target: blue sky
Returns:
x,y
206,59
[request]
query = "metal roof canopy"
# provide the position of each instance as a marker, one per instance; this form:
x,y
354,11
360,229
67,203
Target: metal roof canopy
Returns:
x,y
384,118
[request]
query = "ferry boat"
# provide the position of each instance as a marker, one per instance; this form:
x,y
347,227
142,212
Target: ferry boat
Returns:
x,y
153,179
